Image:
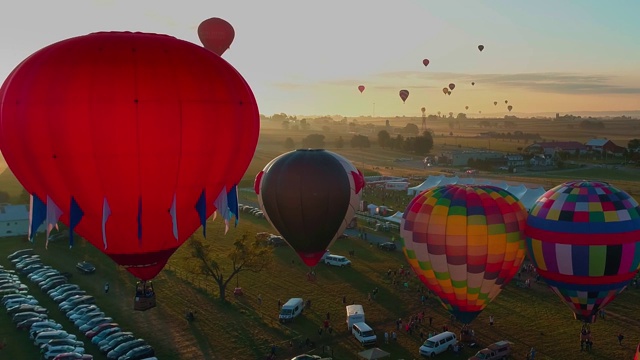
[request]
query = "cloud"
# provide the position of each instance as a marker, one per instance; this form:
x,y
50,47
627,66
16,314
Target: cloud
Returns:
x,y
546,82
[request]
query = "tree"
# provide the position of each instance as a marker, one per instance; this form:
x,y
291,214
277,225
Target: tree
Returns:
x,y
423,144
340,143
313,141
411,129
244,256
360,141
289,144
633,145
384,138
285,124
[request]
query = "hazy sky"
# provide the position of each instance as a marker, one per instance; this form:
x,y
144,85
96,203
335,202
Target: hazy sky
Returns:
x,y
308,57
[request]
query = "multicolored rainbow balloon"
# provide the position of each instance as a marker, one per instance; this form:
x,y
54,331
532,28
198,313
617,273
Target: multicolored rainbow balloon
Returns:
x,y
584,239
465,243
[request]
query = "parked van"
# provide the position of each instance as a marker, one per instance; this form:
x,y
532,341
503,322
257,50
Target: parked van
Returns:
x,y
364,333
355,314
438,344
292,308
498,350
337,260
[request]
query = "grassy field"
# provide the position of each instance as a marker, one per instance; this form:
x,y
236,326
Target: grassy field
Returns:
x,y
244,329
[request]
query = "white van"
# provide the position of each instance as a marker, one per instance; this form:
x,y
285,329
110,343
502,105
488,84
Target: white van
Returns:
x,y
438,344
292,308
355,314
364,333
337,260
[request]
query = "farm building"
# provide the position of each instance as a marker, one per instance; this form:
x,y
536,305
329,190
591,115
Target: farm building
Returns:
x,y
604,146
550,148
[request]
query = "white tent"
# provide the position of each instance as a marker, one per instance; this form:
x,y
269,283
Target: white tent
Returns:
x,y
449,180
517,190
466,181
501,185
431,181
396,218
531,196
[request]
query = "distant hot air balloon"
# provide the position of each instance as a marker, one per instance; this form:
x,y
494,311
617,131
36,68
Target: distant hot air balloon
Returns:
x,y
448,92
445,90
583,237
361,88
480,47
309,196
216,35
506,101
465,243
479,111
495,103
466,108
509,107
404,94
425,62
452,86
472,83
423,109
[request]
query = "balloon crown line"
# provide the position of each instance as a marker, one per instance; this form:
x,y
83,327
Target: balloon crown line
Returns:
x,y
130,32
310,149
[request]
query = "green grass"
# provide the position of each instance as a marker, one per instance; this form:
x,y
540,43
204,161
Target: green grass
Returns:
x,y
243,329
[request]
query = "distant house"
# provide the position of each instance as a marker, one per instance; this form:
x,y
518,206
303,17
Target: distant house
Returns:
x,y
514,160
604,146
14,220
541,160
550,148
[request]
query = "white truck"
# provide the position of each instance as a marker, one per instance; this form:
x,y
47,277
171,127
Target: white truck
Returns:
x,y
355,314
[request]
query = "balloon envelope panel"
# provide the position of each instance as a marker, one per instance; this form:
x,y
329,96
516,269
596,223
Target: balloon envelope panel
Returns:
x,y
465,243
584,239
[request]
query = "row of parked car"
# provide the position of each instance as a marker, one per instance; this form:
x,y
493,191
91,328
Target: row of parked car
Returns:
x,y
79,307
251,210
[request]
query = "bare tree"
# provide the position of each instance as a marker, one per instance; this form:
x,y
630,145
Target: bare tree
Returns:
x,y
244,256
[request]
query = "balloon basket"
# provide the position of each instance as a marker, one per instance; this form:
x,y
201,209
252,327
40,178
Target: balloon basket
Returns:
x,y
145,298
144,303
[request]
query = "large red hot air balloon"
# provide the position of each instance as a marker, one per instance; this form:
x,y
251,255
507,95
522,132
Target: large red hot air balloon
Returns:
x,y
404,94
144,137
309,196
452,86
425,62
216,35
361,88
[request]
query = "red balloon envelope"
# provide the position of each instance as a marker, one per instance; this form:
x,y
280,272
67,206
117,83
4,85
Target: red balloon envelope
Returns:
x,y
216,35
425,62
361,88
404,94
452,86
309,196
131,139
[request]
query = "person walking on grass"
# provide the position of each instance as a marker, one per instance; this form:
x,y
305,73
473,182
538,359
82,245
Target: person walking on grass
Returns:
x,y
106,288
